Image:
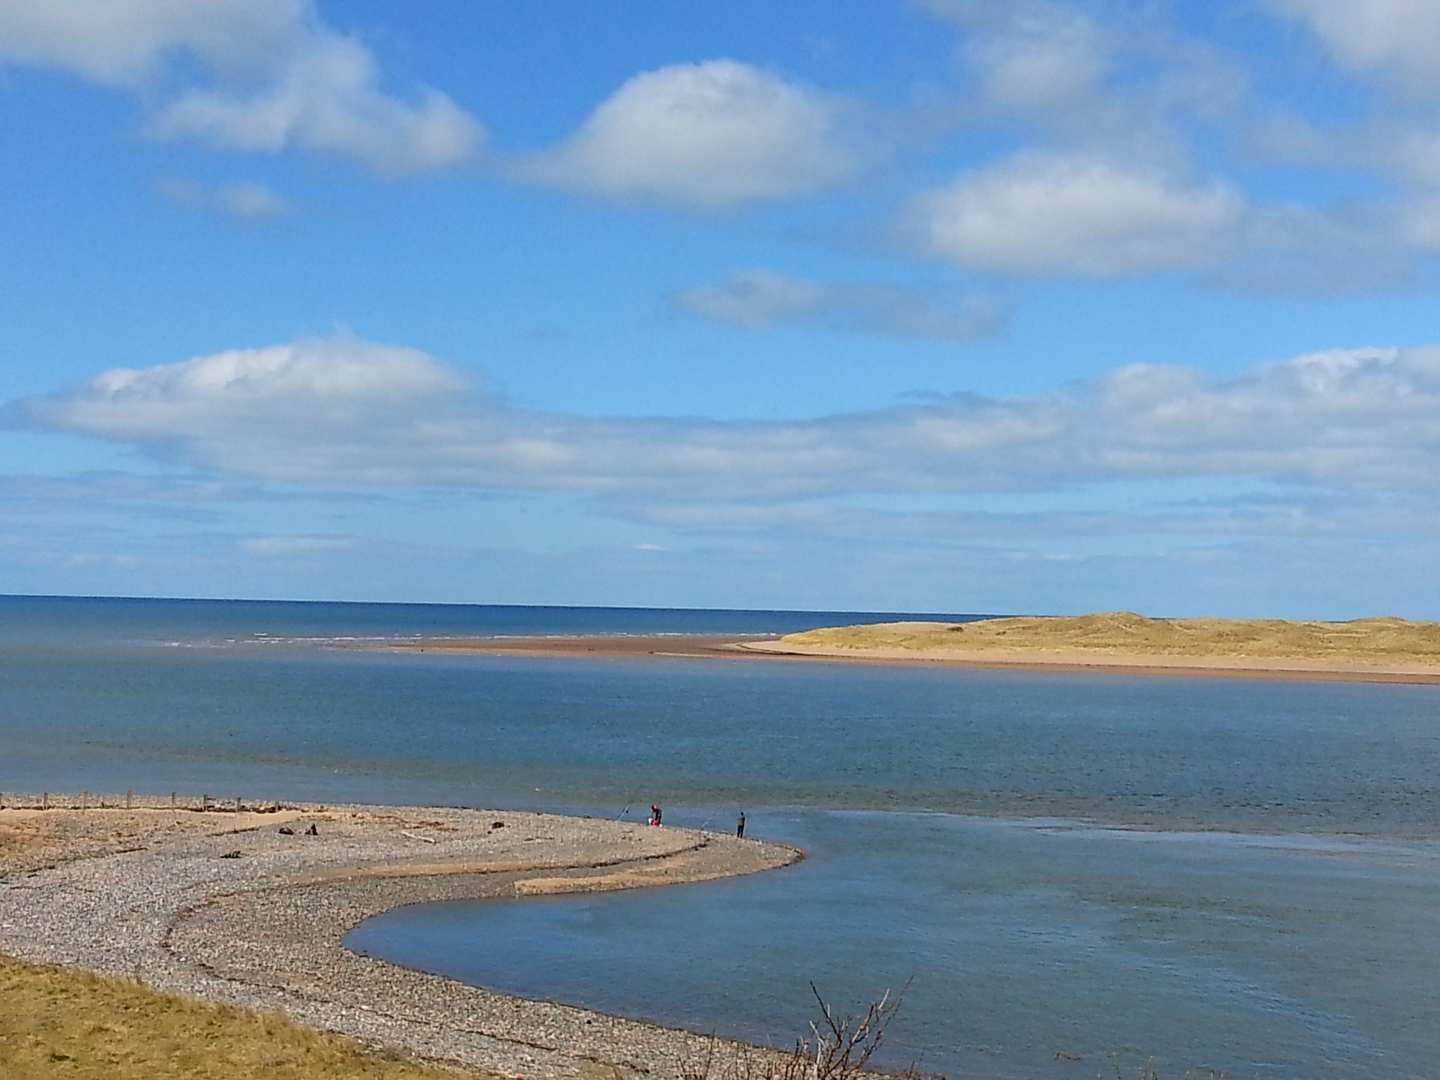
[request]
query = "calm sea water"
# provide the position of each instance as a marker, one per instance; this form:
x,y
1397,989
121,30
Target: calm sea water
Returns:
x,y
1244,875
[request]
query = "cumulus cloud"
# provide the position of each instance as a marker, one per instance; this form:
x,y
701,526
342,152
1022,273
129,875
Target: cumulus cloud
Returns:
x,y
338,387
277,77
760,299
349,413
706,135
1088,215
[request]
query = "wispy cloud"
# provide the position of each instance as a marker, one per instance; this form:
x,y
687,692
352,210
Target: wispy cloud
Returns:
x,y
1115,79
243,200
285,547
760,299
1393,40
328,99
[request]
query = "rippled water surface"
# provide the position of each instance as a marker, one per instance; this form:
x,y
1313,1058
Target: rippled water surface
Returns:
x,y
1275,914
1262,956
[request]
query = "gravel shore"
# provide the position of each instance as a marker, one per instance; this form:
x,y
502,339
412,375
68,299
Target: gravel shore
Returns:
x,y
229,909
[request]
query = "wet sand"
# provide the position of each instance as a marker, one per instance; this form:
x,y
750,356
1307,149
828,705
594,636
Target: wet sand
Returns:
x,y
775,650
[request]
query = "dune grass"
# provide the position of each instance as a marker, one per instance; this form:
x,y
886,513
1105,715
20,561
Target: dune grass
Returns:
x,y
56,1022
1126,633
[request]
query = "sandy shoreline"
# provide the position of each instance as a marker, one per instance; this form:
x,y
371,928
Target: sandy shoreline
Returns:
x,y
773,649
161,895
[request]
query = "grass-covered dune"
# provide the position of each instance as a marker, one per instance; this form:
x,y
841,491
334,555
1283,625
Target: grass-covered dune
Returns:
x,y
1116,634
59,1022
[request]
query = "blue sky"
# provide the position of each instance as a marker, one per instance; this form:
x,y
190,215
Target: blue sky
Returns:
x,y
942,305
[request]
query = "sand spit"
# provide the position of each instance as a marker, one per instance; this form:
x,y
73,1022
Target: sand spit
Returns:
x,y
1373,650
234,911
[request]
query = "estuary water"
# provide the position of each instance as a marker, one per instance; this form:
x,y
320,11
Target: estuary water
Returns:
x,y
1197,873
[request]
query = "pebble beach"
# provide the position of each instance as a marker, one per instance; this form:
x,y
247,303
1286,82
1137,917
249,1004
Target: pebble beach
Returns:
x,y
229,908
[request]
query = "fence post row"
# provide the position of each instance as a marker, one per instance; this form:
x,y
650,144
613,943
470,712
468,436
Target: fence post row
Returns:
x,y
99,800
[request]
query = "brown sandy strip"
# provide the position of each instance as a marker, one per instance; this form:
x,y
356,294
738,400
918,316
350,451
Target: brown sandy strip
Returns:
x,y
676,646
712,647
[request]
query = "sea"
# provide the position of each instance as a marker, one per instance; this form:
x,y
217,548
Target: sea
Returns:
x,y
1064,874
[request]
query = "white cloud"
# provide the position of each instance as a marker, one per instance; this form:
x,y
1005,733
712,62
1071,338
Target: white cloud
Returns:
x,y
1035,55
328,99
1045,213
1117,78
1113,100
759,299
346,413
277,78
125,42
705,135
1391,45
1392,39
254,401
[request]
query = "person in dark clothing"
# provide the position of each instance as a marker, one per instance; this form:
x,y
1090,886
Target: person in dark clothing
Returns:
x,y
654,813
740,824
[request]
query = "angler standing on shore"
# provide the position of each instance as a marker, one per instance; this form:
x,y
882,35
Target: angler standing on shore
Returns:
x,y
740,825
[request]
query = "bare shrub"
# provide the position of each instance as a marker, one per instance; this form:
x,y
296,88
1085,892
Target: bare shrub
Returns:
x,y
838,1047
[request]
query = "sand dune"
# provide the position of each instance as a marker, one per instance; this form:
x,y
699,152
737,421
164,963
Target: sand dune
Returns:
x,y
1125,638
